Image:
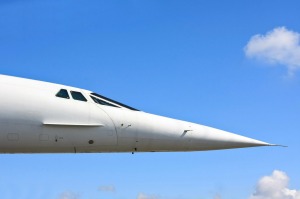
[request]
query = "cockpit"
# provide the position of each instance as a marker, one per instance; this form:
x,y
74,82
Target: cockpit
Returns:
x,y
96,98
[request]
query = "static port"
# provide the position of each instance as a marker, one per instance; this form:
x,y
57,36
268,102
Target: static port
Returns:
x,y
91,141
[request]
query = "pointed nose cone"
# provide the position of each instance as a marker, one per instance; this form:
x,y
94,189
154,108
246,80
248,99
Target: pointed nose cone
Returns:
x,y
213,139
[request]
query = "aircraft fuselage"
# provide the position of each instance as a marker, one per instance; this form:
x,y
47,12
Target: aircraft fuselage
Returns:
x,y
41,117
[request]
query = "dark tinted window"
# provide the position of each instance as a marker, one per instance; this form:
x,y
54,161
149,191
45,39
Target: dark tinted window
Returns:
x,y
115,102
78,96
63,93
102,102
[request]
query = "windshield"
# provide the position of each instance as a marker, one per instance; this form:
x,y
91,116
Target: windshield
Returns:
x,y
113,101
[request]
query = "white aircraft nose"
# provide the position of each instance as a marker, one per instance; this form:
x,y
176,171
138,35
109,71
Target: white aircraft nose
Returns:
x,y
208,138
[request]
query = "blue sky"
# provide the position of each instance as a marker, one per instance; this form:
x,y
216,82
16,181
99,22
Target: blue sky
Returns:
x,y
191,60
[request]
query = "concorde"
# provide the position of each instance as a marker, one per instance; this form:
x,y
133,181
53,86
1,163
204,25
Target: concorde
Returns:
x,y
42,117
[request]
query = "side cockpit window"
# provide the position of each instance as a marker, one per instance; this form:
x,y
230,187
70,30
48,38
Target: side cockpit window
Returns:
x,y
78,96
63,93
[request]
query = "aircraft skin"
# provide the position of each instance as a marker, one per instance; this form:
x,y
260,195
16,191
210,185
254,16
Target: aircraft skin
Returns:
x,y
42,117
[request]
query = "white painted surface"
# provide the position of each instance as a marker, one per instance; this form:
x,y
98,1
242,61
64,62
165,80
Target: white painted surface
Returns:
x,y
34,120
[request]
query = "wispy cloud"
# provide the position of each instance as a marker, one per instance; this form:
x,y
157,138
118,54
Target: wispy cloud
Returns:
x,y
107,188
280,46
275,186
68,195
145,196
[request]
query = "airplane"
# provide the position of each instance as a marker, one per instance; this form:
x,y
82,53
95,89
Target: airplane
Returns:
x,y
42,117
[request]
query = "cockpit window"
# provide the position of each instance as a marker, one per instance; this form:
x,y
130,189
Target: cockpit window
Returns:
x,y
102,102
63,93
78,96
114,102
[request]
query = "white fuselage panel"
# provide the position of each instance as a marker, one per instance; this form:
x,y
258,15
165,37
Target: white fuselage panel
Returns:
x,y
34,120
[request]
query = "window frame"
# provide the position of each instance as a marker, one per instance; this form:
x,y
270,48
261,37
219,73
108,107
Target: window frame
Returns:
x,y
61,96
83,99
113,102
100,101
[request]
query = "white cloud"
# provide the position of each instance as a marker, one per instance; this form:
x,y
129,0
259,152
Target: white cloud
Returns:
x,y
275,186
68,195
217,196
107,188
279,46
144,196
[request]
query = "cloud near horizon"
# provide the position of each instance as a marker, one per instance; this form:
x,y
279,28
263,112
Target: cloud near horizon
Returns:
x,y
217,196
275,186
68,195
279,46
107,188
145,196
